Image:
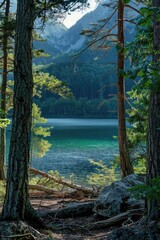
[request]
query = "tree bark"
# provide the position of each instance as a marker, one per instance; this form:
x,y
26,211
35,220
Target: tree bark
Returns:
x,y
153,141
3,95
125,163
72,210
16,204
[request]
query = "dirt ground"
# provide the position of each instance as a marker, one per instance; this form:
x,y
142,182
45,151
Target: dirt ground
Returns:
x,y
70,228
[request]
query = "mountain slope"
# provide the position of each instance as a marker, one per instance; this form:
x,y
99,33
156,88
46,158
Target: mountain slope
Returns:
x,y
70,40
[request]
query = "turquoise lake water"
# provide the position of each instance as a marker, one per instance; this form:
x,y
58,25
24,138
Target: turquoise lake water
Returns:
x,y
75,142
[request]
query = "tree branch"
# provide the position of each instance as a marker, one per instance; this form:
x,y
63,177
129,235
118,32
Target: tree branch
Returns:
x,y
131,7
61,181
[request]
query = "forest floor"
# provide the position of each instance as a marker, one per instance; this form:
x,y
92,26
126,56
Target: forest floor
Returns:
x,y
69,228
85,227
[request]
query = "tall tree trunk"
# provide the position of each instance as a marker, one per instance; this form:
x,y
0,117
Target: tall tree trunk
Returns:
x,y
16,200
153,142
125,163
3,95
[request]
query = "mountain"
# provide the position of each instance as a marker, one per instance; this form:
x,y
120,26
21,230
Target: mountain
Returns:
x,y
49,32
70,40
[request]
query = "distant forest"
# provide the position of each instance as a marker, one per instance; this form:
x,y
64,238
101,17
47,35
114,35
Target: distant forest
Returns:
x,y
92,80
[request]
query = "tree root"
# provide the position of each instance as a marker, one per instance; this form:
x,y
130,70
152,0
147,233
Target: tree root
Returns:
x,y
33,218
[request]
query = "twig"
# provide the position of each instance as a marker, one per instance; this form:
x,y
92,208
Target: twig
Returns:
x,y
19,235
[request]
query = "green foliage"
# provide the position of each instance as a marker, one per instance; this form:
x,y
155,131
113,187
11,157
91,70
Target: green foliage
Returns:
x,y
91,81
4,123
142,65
49,82
137,133
126,1
151,191
39,145
104,176
137,116
141,71
139,164
52,107
2,191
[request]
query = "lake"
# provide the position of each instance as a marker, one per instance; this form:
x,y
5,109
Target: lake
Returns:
x,y
75,142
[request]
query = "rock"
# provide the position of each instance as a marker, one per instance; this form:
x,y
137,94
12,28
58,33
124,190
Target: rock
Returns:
x,y
116,198
147,231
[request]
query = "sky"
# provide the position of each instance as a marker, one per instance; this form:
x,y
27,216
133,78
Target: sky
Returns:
x,y
72,18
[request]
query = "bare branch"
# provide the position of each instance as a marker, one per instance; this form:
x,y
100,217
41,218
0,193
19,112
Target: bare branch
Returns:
x,y
93,42
2,3
131,7
130,21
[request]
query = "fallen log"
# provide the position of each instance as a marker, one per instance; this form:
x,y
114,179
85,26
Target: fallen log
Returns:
x,y
86,190
117,220
72,210
42,190
47,190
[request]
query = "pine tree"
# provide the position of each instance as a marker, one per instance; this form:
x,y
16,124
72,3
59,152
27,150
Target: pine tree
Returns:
x,y
16,204
5,38
153,141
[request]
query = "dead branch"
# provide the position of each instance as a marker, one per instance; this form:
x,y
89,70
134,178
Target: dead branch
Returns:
x,y
46,190
1,5
129,6
72,210
130,21
63,182
42,190
18,236
107,20
91,43
117,220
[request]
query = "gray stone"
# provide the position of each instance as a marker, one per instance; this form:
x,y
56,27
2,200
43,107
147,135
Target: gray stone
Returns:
x,y
116,198
147,231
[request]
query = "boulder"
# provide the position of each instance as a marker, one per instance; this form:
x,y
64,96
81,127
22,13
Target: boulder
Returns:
x,y
139,230
116,198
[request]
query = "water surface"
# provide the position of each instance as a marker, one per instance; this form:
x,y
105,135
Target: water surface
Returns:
x,y
75,142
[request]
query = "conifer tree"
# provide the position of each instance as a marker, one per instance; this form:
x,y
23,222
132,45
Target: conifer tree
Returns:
x,y
4,40
104,37
153,141
17,205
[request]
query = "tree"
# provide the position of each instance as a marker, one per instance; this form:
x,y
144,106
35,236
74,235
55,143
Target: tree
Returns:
x,y
17,205
105,38
3,89
153,141
125,163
